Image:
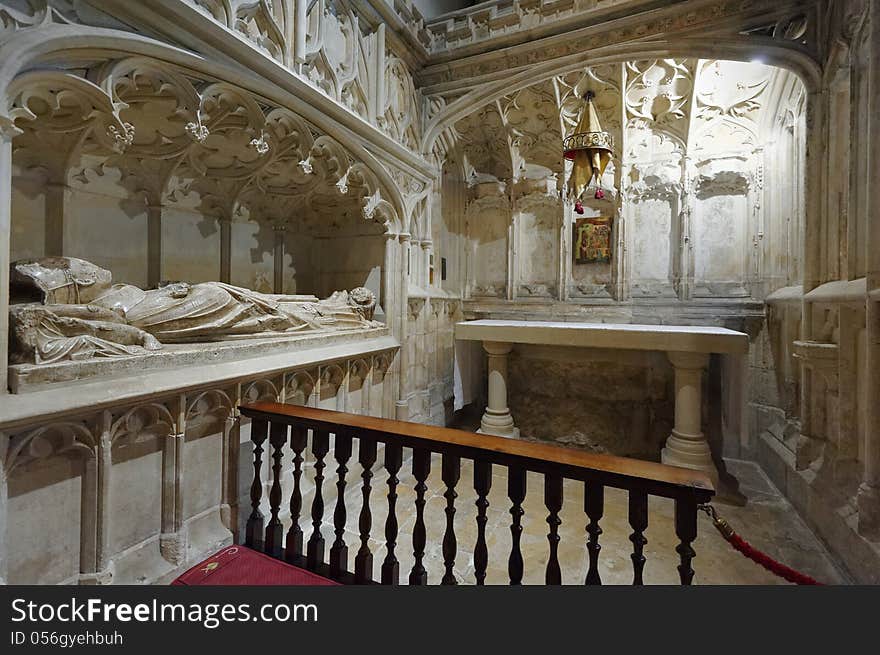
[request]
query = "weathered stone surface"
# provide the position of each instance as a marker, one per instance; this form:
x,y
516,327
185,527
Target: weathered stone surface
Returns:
x,y
600,404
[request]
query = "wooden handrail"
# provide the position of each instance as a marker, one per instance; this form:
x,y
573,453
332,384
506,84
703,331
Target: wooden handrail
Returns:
x,y
273,421
619,472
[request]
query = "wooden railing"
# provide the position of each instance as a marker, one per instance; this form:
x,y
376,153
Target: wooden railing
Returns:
x,y
290,424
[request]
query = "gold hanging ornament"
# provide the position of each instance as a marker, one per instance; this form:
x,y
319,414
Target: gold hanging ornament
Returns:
x,y
589,150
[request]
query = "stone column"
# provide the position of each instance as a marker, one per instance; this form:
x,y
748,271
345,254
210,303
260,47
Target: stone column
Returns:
x,y
379,91
229,490
104,572
686,271
172,540
366,387
278,259
6,134
95,556
563,273
300,27
621,271
512,251
807,448
342,390
225,250
687,445
425,271
402,404
497,418
154,245
387,285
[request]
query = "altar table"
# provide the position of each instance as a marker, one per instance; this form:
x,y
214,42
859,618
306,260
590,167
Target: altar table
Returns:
x,y
688,348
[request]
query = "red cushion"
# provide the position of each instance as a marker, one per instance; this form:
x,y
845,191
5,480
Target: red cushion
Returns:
x,y
238,565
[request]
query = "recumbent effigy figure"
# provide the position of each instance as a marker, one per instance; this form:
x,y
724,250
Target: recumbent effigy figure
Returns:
x,y
64,308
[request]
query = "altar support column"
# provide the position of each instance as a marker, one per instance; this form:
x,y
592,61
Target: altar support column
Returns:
x,y
687,445
497,418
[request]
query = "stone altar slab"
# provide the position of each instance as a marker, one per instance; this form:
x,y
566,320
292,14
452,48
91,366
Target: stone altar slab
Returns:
x,y
681,338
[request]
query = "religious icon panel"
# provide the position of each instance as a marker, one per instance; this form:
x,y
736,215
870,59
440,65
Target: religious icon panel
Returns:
x,y
592,240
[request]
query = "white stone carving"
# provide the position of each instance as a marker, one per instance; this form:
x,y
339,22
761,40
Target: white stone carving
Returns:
x,y
79,314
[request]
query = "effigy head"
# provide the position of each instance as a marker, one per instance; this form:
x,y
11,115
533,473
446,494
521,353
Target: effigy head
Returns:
x,y
364,300
57,280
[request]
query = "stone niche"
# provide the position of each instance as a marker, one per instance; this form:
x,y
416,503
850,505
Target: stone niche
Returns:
x,y
655,225
595,280
538,232
608,401
488,220
722,226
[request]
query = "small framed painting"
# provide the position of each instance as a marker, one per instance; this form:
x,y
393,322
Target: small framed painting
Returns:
x,y
592,240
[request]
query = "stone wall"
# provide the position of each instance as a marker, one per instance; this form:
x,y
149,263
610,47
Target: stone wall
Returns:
x,y
607,401
813,394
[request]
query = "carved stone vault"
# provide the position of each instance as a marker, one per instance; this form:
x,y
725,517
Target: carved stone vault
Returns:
x,y
172,135
685,184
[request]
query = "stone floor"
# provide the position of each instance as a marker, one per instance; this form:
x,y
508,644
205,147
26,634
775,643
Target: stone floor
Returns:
x,y
767,521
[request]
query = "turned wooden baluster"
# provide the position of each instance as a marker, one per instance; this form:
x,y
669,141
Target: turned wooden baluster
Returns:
x,y
516,491
363,561
393,462
275,530
482,485
293,548
315,547
686,531
638,521
553,502
421,468
451,475
594,504
339,549
254,529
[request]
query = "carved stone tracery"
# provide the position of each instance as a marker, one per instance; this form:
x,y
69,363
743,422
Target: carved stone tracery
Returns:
x,y
172,135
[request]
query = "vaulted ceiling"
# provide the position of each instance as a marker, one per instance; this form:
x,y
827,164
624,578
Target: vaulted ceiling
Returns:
x,y
658,112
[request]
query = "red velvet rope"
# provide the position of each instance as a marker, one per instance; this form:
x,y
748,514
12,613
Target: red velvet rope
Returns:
x,y
769,563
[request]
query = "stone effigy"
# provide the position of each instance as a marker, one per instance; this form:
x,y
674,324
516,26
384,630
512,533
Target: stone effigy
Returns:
x,y
68,309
